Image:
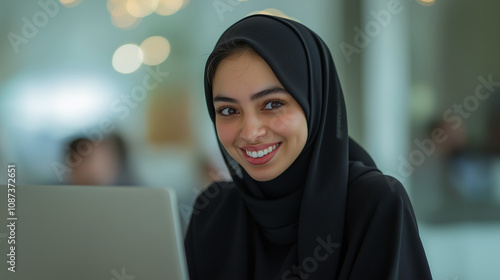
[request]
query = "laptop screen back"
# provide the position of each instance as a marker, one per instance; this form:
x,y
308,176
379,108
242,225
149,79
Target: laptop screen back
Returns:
x,y
90,232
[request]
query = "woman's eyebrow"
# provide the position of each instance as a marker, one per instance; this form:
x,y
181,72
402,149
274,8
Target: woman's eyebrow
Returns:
x,y
255,96
268,91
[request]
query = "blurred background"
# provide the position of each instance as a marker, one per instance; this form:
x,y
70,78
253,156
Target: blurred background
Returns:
x,y
111,93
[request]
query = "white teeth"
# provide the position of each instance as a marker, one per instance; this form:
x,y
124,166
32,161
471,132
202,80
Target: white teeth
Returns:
x,y
258,154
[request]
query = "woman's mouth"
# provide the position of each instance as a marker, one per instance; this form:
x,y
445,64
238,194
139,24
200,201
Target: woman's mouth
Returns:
x,y
260,154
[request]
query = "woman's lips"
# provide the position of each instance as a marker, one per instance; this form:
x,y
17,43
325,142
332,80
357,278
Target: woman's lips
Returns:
x,y
261,148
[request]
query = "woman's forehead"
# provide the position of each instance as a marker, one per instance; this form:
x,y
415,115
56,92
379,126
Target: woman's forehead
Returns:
x,y
245,74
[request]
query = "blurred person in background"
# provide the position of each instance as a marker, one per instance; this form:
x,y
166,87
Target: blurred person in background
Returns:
x,y
433,194
456,183
99,163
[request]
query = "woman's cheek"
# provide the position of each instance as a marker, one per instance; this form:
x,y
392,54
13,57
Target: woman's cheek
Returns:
x,y
225,133
285,123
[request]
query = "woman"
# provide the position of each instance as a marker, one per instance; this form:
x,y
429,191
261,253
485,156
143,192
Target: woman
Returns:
x,y
305,201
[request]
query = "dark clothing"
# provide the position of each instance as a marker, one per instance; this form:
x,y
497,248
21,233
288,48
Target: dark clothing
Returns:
x,y
381,238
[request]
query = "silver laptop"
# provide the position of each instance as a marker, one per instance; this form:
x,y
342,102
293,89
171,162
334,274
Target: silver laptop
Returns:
x,y
90,232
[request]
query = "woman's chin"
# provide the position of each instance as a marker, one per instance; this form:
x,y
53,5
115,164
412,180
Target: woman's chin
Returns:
x,y
263,175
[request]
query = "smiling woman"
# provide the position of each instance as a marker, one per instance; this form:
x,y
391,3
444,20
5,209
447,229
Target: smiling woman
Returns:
x,y
305,202
259,124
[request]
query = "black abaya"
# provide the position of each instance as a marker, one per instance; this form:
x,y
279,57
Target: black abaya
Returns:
x,y
331,214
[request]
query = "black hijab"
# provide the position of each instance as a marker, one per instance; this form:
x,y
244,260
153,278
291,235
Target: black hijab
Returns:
x,y
308,199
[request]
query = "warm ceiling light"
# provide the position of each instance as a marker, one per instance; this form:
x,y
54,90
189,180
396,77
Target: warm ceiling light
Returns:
x,y
141,8
426,2
70,3
121,18
127,58
169,7
272,12
155,49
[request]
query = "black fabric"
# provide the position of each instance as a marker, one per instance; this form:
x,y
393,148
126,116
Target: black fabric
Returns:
x,y
294,226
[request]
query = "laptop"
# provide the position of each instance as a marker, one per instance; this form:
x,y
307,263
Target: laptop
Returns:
x,y
91,232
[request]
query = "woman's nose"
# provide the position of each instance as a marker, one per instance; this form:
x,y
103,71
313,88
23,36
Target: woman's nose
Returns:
x,y
252,129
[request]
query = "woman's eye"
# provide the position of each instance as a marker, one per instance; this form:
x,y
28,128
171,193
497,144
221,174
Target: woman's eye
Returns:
x,y
227,111
273,104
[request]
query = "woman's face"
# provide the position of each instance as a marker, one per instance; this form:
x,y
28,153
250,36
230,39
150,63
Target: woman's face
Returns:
x,y
258,122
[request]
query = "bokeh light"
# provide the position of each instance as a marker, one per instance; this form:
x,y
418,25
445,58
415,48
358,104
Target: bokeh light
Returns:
x,y
169,7
120,16
70,3
272,12
127,58
141,8
426,2
127,14
114,4
155,49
